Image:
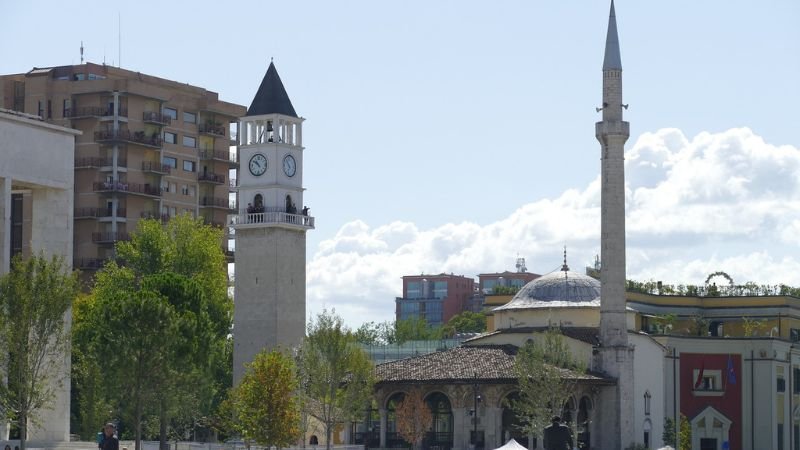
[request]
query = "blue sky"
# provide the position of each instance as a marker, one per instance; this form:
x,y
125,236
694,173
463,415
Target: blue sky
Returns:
x,y
428,121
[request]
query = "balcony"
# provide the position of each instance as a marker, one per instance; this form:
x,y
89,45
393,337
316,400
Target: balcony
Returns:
x,y
89,263
211,177
229,254
126,136
145,190
155,167
85,112
156,118
96,162
164,218
109,237
208,154
279,219
217,202
211,129
98,213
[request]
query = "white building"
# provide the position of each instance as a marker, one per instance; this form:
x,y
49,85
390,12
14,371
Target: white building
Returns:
x,y
36,201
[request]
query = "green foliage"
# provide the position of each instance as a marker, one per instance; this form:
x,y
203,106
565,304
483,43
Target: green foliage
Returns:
x,y
684,434
415,329
665,323
465,322
336,374
752,326
669,432
748,289
35,296
371,333
263,407
170,297
546,373
505,290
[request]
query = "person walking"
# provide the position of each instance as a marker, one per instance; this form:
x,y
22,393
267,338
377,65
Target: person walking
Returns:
x,y
557,436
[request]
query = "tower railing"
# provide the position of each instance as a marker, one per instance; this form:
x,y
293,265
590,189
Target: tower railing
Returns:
x,y
298,220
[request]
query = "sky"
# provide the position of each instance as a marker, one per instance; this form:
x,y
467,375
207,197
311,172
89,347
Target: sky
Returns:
x,y
454,136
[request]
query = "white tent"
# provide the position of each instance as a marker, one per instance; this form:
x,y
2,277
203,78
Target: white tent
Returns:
x,y
512,445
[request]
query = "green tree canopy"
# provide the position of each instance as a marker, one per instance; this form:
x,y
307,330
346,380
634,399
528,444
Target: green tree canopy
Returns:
x,y
336,374
546,376
465,322
264,406
35,297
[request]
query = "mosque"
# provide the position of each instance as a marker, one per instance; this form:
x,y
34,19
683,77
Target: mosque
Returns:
x,y
654,355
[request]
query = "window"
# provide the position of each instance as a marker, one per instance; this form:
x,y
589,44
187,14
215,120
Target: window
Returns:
x,y
188,166
173,211
189,141
796,380
413,290
170,162
164,188
192,191
49,109
67,107
172,113
709,385
781,384
40,112
170,138
439,289
184,189
189,117
794,335
647,403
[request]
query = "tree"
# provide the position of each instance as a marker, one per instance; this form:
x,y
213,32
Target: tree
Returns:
x,y
35,297
547,377
182,264
415,329
337,374
414,418
465,322
684,434
264,406
669,432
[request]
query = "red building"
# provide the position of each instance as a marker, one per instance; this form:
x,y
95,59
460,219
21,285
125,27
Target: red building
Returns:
x,y
435,298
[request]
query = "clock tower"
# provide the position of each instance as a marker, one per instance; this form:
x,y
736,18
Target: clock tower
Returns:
x,y
271,225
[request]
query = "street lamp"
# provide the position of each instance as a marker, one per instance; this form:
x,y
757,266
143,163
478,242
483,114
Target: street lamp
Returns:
x,y
476,397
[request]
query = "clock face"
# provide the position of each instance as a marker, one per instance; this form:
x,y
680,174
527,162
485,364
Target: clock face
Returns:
x,y
289,165
258,164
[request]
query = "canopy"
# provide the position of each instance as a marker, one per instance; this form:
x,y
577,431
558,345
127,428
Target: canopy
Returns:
x,y
512,445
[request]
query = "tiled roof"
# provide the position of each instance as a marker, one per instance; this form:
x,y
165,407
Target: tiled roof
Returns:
x,y
491,364
590,335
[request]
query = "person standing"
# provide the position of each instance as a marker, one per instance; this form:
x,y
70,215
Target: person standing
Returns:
x,y
110,440
557,436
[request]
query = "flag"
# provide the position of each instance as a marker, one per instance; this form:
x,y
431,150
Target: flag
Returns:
x,y
699,382
731,372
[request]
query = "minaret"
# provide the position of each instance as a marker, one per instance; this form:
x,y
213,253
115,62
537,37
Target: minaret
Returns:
x,y
616,355
270,286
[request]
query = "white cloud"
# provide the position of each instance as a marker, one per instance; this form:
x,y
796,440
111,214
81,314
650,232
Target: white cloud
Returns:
x,y
720,201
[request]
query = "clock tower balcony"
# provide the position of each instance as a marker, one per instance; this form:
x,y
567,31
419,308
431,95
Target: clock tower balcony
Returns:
x,y
273,219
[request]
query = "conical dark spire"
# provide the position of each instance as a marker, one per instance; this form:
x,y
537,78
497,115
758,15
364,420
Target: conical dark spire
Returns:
x,y
612,61
271,97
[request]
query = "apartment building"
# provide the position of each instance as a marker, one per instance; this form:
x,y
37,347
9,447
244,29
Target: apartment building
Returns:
x,y
149,148
435,298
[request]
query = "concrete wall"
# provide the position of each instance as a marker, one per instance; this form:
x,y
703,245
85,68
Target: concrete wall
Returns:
x,y
269,296
38,160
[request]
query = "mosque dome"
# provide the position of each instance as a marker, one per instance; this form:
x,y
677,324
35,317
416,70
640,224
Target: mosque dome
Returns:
x,y
563,288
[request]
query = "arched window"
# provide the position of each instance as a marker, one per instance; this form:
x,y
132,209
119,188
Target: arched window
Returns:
x,y
441,434
511,421
583,421
393,439
647,403
258,201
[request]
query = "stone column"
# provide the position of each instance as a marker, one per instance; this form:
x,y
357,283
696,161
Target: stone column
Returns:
x,y
384,421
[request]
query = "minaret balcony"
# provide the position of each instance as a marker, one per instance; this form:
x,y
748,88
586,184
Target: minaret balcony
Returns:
x,y
274,219
615,128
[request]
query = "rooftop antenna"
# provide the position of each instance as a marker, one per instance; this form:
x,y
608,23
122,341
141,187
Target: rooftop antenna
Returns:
x,y
521,264
119,39
81,52
565,267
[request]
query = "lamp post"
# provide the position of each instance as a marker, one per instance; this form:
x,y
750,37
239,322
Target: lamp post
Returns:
x,y
476,397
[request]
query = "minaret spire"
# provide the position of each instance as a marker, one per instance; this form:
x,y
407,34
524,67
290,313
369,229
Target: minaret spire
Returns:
x,y
616,356
612,60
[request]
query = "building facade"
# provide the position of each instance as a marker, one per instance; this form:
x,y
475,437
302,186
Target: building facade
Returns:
x,y
149,148
36,198
434,298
